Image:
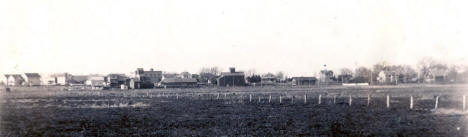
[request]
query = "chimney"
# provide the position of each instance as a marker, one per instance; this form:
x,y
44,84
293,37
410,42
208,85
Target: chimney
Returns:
x,y
232,69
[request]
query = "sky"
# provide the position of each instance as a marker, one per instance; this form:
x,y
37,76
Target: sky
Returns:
x,y
294,36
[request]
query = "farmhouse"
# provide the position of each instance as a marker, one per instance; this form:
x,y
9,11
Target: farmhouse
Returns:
x,y
96,81
149,76
14,79
387,77
179,82
32,79
231,78
299,81
61,78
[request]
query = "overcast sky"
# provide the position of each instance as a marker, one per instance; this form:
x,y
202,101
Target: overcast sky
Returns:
x,y
294,36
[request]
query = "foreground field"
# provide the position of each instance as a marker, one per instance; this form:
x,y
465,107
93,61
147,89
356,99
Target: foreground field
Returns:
x,y
261,111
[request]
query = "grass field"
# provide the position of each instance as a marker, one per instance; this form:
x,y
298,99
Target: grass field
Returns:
x,y
244,111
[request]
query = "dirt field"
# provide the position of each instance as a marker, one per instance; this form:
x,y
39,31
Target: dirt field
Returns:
x,y
246,111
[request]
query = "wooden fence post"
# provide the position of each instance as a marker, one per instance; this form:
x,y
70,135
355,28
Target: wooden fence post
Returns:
x,y
280,99
464,103
368,99
292,99
388,101
250,98
334,99
320,99
305,98
436,102
350,100
411,102
269,99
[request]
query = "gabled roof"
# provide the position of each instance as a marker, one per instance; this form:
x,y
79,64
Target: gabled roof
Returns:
x,y
179,80
32,75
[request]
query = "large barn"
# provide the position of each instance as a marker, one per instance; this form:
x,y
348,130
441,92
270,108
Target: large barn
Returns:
x,y
179,82
231,78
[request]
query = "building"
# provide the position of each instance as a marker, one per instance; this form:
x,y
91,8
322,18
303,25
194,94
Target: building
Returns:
x,y
61,78
231,78
388,77
301,81
78,79
179,82
149,76
145,79
115,80
14,79
436,76
32,79
96,81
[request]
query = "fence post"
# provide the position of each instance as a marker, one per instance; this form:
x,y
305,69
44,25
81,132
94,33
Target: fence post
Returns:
x,y
320,99
305,98
411,102
280,99
368,100
269,99
250,97
388,101
350,100
464,102
436,102
334,99
259,99
292,99
217,97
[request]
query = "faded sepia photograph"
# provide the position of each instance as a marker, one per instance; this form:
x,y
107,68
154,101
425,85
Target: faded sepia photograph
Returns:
x,y
234,68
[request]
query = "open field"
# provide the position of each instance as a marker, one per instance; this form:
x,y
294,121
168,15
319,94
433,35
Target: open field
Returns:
x,y
246,111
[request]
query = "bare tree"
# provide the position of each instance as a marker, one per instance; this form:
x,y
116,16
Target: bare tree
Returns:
x,y
363,74
250,72
424,65
209,74
346,71
186,74
280,75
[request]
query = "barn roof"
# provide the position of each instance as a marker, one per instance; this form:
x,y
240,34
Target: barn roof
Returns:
x,y
179,80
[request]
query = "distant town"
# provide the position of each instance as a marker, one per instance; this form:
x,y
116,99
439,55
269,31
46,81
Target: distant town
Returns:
x,y
428,71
